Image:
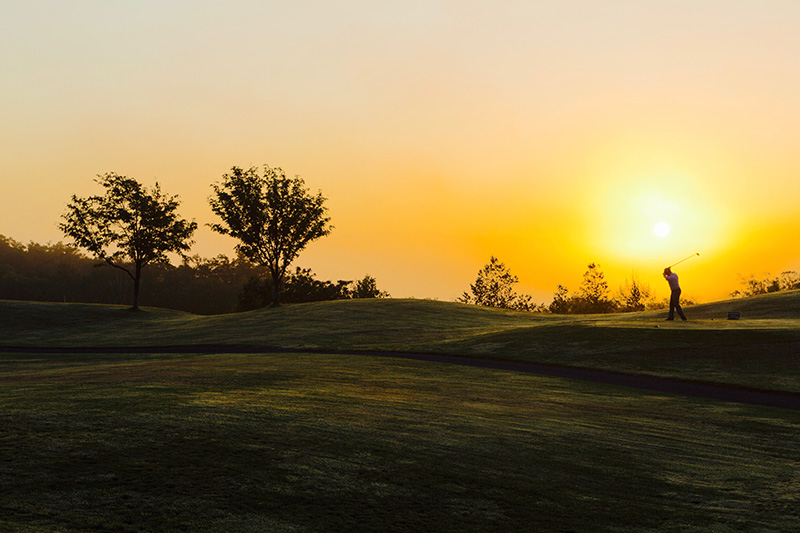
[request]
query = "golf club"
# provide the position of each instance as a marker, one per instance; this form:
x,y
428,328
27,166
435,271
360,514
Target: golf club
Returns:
x,y
684,259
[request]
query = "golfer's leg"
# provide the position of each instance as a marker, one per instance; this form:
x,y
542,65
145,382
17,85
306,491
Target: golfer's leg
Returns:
x,y
671,314
679,309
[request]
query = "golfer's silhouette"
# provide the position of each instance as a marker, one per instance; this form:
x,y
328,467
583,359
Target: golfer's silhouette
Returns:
x,y
675,296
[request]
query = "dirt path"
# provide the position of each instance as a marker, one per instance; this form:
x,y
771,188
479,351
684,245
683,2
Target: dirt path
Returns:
x,y
726,393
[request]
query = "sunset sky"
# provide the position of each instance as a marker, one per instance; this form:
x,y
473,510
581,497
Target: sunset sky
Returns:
x,y
550,134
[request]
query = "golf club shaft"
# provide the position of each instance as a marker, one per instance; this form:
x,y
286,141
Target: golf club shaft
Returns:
x,y
684,259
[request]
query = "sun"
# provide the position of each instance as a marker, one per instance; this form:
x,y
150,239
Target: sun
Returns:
x,y
661,229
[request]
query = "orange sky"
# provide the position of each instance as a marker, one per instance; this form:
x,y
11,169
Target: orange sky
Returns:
x,y
442,132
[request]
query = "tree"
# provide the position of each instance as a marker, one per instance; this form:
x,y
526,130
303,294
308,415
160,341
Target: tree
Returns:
x,y
562,303
298,287
593,293
54,273
302,286
200,285
495,288
129,227
368,288
787,280
634,295
273,217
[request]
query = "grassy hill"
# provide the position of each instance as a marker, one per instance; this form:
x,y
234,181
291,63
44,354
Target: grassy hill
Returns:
x,y
351,324
757,351
776,305
331,442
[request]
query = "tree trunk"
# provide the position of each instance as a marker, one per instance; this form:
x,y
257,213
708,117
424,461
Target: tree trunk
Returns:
x,y
276,289
136,278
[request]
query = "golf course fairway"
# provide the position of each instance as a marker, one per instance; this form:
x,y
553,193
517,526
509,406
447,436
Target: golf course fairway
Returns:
x,y
108,440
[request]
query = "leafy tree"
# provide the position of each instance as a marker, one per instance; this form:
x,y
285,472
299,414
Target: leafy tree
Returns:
x,y
129,227
593,293
634,295
38,272
58,272
273,217
300,286
787,280
368,288
495,288
562,303
200,285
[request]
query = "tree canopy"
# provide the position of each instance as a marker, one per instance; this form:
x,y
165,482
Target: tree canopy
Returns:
x,y
593,292
273,217
128,227
592,295
302,286
786,280
367,287
63,273
494,287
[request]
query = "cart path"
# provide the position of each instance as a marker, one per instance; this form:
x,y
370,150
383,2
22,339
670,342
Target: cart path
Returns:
x,y
726,393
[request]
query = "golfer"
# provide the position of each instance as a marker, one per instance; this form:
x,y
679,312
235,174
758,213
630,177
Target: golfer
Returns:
x,y
675,297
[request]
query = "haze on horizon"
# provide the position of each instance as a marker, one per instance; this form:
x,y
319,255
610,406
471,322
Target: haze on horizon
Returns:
x,y
548,134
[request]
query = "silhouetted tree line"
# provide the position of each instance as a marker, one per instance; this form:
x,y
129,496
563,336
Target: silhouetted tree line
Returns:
x,y
301,286
131,227
592,296
785,281
61,273
494,287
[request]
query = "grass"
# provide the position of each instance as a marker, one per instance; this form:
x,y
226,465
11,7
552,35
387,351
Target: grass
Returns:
x,y
315,442
333,442
758,351
364,324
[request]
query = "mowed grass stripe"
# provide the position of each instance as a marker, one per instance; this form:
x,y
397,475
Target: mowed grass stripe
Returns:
x,y
311,442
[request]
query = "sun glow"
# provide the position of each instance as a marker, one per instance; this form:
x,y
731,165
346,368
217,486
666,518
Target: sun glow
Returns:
x,y
661,229
647,216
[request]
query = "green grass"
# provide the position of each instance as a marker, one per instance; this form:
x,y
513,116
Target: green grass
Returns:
x,y
320,442
757,351
314,442
340,324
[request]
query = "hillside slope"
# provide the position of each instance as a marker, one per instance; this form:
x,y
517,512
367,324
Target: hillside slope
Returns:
x,y
777,305
382,324
337,324
760,350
